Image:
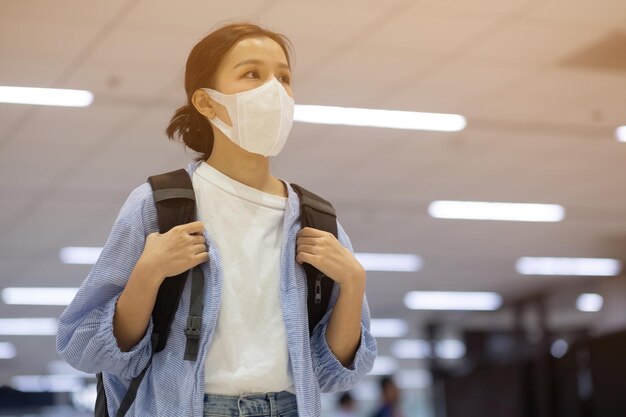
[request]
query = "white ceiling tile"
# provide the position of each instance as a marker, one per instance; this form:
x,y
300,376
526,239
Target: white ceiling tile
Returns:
x,y
531,42
353,78
612,111
571,83
195,18
134,83
422,36
517,106
543,95
601,14
64,11
57,135
142,50
453,87
44,39
10,114
483,8
314,48
26,71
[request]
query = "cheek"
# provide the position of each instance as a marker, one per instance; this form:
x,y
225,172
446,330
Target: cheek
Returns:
x,y
232,83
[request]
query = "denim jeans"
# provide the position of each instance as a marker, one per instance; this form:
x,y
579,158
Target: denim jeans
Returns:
x,y
270,404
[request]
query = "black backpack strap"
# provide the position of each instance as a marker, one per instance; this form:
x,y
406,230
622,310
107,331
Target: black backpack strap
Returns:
x,y
101,409
129,398
319,214
194,319
175,203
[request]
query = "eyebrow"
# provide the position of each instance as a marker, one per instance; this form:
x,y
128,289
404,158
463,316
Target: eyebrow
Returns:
x,y
257,61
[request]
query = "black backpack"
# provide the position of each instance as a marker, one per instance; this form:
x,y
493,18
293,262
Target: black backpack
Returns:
x,y
175,202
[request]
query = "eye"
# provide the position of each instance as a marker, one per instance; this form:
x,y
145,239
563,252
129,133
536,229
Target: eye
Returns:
x,y
251,74
285,78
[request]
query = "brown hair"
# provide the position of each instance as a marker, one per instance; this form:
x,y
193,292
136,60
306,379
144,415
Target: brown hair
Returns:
x,y
204,59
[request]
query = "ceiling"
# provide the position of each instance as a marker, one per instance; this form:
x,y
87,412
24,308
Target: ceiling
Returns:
x,y
541,107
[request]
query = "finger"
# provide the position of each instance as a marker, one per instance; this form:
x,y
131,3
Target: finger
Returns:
x,y
193,227
306,240
305,257
307,248
201,257
199,248
195,239
309,232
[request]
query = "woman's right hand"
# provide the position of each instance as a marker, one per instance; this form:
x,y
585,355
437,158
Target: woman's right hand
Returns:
x,y
176,251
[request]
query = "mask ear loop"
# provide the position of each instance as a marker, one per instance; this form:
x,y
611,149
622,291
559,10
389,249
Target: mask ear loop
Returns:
x,y
223,100
212,113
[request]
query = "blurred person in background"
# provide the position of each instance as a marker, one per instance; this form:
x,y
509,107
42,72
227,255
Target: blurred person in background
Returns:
x,y
390,398
346,406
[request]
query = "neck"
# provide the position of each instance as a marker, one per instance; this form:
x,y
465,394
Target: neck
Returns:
x,y
245,167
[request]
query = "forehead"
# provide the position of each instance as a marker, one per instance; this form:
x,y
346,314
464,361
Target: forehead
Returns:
x,y
259,48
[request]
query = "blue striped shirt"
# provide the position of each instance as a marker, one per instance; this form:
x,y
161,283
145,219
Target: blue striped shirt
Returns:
x,y
173,386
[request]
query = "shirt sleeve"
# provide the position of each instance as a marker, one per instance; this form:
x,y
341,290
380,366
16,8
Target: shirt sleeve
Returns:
x,y
331,374
85,334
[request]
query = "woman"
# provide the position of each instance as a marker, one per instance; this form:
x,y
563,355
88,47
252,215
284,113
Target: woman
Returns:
x,y
256,356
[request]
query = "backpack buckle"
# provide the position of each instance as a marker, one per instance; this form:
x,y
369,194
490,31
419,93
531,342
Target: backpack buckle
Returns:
x,y
192,331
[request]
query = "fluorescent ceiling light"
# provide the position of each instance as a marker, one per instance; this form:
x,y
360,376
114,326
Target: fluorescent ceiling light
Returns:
x,y
394,119
457,300
28,327
389,262
568,266
388,328
559,348
39,296
589,302
413,379
384,365
420,349
47,383
80,255
450,349
45,96
620,133
410,349
476,210
7,350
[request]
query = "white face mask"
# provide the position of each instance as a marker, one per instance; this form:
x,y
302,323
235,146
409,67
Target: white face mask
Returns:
x,y
261,117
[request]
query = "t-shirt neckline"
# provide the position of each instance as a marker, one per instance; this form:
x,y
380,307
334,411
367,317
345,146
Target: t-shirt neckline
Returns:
x,y
238,189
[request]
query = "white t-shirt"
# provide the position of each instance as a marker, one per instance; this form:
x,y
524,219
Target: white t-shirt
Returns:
x,y
248,353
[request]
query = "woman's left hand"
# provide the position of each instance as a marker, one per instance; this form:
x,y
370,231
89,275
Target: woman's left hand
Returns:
x,y
322,250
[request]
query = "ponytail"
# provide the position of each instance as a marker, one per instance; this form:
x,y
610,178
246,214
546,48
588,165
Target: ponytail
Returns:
x,y
192,129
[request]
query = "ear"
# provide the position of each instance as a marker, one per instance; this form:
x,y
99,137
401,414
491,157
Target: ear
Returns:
x,y
203,103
